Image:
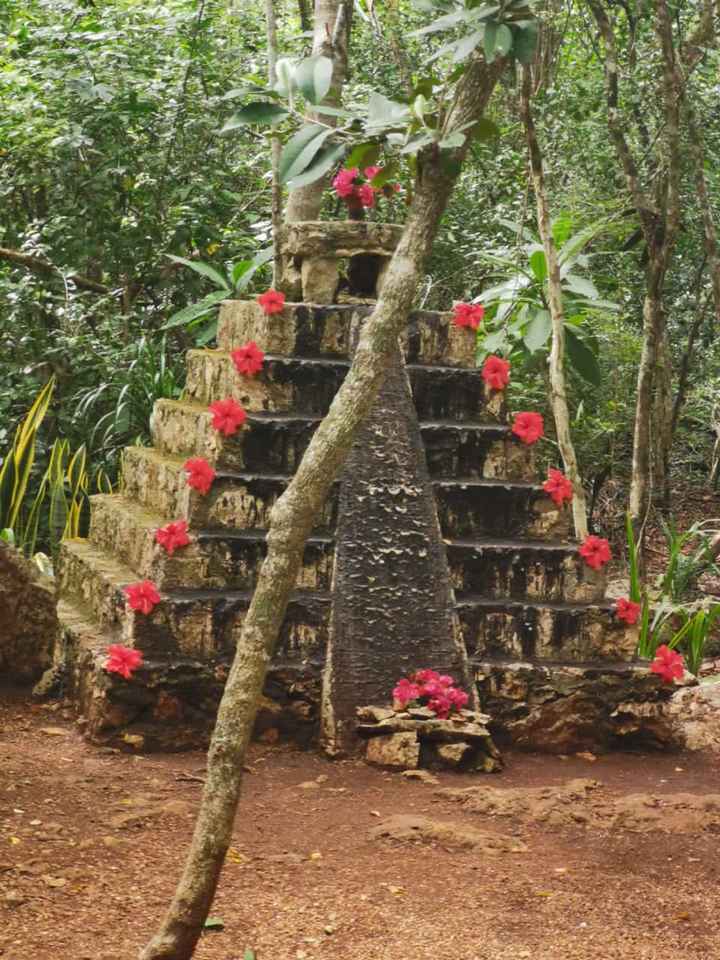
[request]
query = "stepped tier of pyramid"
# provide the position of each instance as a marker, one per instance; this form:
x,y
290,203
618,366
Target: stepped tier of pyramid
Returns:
x,y
535,628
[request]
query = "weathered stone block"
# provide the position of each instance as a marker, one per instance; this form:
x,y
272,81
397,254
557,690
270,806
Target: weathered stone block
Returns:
x,y
28,621
399,750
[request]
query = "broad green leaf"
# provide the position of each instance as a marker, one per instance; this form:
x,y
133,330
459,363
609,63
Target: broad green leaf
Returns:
x,y
581,285
465,47
582,358
196,310
332,111
363,155
285,73
214,923
452,141
299,152
382,113
525,42
204,269
495,342
260,112
313,77
415,144
561,228
490,40
240,268
538,265
420,106
249,955
442,23
503,40
207,333
388,173
538,331
325,160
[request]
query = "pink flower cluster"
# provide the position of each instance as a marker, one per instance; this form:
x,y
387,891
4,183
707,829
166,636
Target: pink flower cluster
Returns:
x,y
357,194
434,690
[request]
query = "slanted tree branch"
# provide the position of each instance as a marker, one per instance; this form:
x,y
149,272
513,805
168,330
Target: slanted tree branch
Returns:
x,y
291,521
558,393
44,267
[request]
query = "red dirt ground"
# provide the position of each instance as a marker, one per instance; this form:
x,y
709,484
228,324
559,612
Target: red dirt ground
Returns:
x,y
79,884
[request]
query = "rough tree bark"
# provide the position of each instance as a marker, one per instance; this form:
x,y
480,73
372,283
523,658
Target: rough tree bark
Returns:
x,y
558,393
291,521
331,39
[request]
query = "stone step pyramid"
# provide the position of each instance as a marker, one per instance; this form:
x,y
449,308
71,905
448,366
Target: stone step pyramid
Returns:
x,y
525,603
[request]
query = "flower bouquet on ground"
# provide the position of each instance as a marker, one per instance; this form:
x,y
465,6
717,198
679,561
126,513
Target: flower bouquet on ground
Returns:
x,y
427,688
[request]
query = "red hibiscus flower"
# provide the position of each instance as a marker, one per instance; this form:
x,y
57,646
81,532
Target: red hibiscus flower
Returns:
x,y
272,301
595,551
123,660
200,474
142,596
228,415
173,536
468,315
528,427
558,486
627,610
496,372
668,664
248,359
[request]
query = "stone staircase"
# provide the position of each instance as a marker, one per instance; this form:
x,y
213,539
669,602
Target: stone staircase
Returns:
x,y
523,595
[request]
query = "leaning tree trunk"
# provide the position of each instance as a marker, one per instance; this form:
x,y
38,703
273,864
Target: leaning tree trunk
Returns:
x,y
331,39
291,521
558,393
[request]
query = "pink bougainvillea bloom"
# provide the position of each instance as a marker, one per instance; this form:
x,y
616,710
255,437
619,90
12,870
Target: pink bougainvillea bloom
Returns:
x,y
440,706
445,681
142,596
595,551
558,486
366,195
458,698
528,427
248,359
173,536
496,372
371,172
123,660
200,474
344,182
228,415
272,301
404,692
668,664
627,610
423,676
468,315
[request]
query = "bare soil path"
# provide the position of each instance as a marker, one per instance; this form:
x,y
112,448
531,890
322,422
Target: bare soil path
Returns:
x,y
91,843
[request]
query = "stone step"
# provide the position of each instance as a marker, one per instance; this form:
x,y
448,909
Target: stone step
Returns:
x,y
308,386
486,508
538,570
238,500
275,443
193,623
476,451
216,559
268,442
580,632
305,330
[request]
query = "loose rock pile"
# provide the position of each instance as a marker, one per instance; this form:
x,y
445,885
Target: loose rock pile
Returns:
x,y
417,738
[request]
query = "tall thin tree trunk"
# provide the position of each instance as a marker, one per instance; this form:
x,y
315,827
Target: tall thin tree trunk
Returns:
x,y
291,521
331,39
697,152
275,144
558,392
